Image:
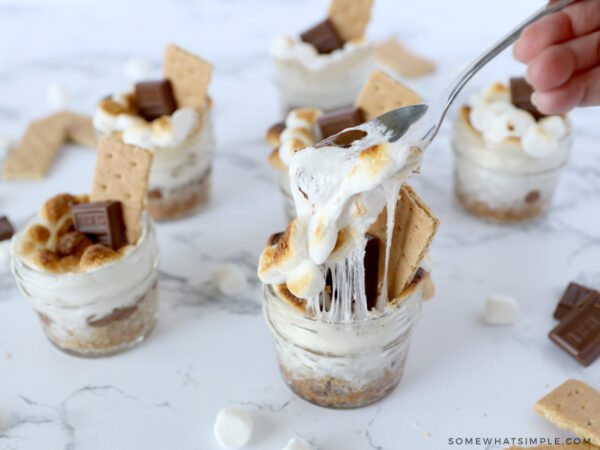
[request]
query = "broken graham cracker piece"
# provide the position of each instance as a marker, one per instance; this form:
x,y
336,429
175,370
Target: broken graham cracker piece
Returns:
x,y
382,93
398,58
350,17
189,76
414,228
79,128
32,158
573,406
121,174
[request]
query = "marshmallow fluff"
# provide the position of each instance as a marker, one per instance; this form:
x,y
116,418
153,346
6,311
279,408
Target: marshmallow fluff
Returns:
x,y
338,193
327,81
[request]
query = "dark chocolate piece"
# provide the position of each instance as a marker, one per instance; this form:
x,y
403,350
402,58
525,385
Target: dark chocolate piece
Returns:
x,y
333,122
155,99
6,229
371,263
345,139
579,332
520,92
574,295
102,222
323,37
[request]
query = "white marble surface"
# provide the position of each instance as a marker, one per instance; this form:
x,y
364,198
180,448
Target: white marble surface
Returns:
x,y
463,378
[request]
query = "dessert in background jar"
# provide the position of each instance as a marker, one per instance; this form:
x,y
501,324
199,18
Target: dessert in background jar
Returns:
x,y
327,64
343,284
304,127
508,156
88,264
172,118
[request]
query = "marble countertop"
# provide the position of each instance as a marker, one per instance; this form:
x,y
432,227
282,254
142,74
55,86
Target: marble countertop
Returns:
x,y
463,379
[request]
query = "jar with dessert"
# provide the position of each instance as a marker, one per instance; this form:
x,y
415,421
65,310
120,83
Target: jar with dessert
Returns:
x,y
88,263
327,64
172,118
508,156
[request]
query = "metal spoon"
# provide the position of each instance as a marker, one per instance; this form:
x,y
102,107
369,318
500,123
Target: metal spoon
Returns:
x,y
421,123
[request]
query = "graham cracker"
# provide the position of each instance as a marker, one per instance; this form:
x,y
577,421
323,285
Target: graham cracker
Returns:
x,y
32,158
398,58
414,228
573,406
350,17
79,128
382,93
189,76
121,174
580,446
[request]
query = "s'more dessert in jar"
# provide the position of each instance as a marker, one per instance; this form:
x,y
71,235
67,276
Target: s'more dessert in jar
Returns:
x,y
172,118
304,127
343,285
88,263
508,156
327,64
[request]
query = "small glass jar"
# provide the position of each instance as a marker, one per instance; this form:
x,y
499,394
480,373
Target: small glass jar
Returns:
x,y
283,182
97,313
343,365
501,182
326,81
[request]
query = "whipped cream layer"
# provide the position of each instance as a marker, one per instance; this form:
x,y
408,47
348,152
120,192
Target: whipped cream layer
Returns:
x,y
73,299
339,192
498,120
327,81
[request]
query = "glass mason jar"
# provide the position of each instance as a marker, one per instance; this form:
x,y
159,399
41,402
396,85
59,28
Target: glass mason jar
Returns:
x,y
97,313
283,182
325,82
343,365
501,182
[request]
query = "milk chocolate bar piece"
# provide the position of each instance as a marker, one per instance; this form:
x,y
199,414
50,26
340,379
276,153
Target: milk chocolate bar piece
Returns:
x,y
371,263
155,99
579,332
574,295
102,221
520,92
333,122
344,139
6,229
323,37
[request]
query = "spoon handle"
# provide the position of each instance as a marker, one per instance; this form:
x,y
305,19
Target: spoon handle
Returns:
x,y
476,65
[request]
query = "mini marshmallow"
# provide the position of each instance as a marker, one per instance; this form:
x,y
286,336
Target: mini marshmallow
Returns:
x,y
229,279
500,310
137,69
481,117
297,444
510,123
233,427
58,96
4,256
5,145
538,142
140,135
306,280
555,125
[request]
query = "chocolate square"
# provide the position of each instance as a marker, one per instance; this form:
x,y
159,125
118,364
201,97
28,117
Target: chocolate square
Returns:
x,y
520,93
102,222
155,99
573,295
332,122
6,229
323,37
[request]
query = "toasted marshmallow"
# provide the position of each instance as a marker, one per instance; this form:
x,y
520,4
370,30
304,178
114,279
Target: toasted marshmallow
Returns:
x,y
306,280
267,269
299,132
555,125
55,208
538,142
512,122
97,255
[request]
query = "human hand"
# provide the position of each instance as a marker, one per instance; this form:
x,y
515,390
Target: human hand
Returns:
x,y
562,52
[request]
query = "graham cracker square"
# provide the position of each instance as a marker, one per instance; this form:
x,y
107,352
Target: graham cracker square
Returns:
x,y
350,17
399,59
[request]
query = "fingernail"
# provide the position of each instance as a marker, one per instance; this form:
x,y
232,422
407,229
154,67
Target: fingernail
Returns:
x,y
534,97
527,77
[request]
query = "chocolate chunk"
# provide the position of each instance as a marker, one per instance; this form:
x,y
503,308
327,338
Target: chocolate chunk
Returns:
x,y
333,122
574,295
520,92
345,139
155,99
579,332
371,263
532,197
6,229
274,238
102,222
323,37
